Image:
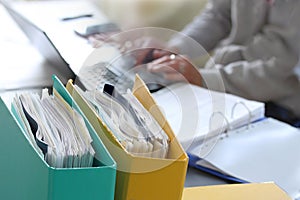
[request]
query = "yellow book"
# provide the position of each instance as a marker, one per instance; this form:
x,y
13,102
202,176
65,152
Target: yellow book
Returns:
x,y
254,191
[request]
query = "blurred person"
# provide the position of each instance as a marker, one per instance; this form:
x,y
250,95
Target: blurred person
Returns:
x,y
255,47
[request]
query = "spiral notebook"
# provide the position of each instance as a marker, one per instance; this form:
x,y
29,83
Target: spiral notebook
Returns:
x,y
267,150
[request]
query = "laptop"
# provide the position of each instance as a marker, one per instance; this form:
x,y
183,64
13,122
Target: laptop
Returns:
x,y
120,72
40,40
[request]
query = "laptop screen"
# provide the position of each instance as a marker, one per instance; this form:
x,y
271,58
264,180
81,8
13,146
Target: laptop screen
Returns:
x,y
41,41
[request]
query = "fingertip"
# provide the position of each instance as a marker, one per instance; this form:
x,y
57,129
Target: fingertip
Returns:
x,y
156,53
150,67
157,68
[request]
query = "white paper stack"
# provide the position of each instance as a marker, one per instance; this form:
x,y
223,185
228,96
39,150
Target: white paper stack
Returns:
x,y
56,131
131,123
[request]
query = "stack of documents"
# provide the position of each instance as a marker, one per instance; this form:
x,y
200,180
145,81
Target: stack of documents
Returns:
x,y
55,129
25,167
139,176
129,121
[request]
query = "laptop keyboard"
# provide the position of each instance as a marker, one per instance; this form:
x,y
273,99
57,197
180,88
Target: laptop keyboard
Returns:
x,y
95,76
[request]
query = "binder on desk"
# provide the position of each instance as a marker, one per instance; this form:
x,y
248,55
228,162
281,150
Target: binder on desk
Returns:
x,y
257,191
196,113
25,175
263,151
141,177
243,147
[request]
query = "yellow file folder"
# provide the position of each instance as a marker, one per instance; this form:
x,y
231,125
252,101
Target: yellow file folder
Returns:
x,y
141,178
254,191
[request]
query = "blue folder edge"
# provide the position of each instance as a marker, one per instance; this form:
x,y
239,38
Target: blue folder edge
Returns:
x,y
194,159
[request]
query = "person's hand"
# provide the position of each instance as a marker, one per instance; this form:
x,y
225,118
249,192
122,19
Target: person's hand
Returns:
x,y
148,50
144,56
176,68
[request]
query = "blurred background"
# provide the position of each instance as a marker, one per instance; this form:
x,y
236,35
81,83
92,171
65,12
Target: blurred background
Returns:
x,y
173,14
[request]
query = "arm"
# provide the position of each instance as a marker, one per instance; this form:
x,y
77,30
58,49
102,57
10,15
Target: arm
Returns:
x,y
267,72
211,26
260,80
200,36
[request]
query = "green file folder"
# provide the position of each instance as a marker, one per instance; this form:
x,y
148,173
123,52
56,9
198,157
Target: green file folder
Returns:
x,y
25,175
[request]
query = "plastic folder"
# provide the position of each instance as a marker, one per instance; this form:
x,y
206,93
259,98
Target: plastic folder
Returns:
x,y
25,175
193,163
141,177
257,191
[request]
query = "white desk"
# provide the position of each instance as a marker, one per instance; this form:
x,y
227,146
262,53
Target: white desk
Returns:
x,y
21,64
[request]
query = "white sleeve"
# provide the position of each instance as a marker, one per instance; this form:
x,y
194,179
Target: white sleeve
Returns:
x,y
259,80
208,28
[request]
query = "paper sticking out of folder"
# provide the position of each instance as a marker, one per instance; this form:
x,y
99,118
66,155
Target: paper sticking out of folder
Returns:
x,y
56,130
129,121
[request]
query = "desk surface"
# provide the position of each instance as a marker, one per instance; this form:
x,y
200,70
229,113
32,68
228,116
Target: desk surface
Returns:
x,y
196,177
23,68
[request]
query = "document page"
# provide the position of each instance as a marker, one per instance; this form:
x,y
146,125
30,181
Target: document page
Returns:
x,y
57,131
265,151
195,113
130,122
